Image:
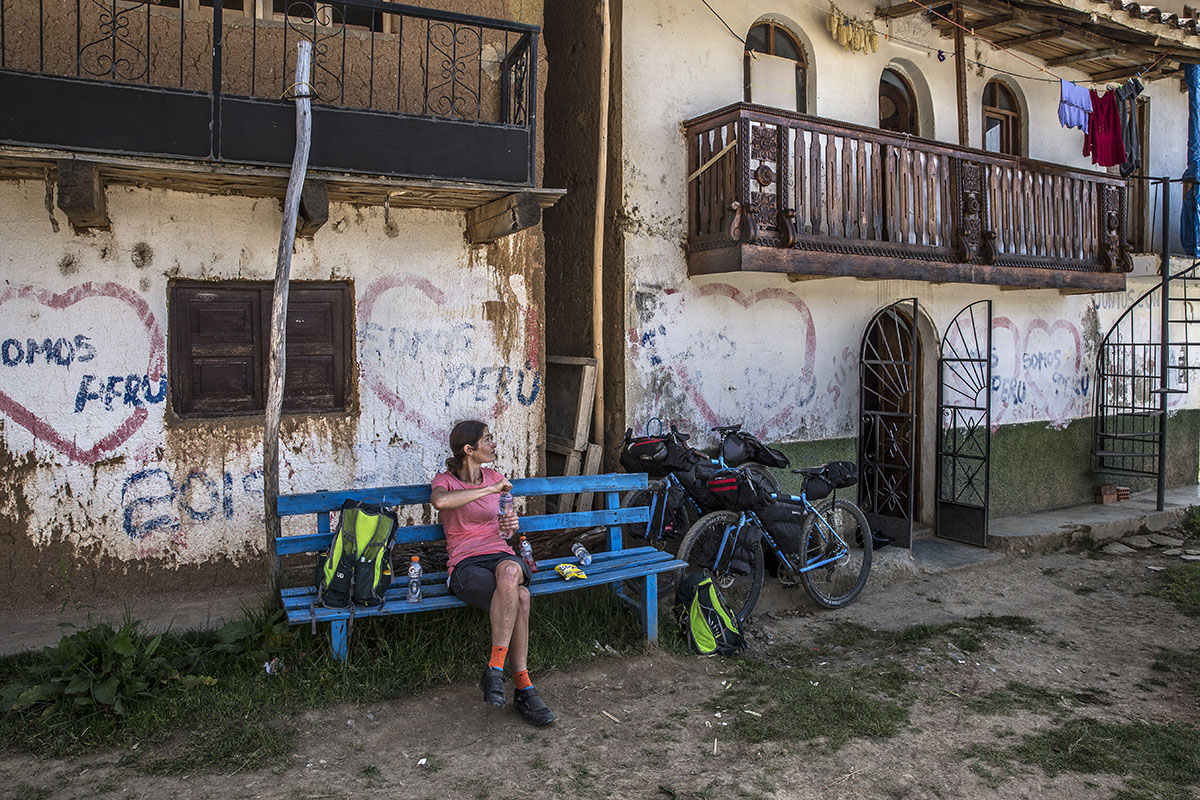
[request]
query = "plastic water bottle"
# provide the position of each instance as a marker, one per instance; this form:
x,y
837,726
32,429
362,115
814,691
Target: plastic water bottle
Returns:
x,y
581,553
414,580
527,554
506,503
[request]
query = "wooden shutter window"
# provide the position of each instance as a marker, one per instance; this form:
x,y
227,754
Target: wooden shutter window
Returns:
x,y
219,344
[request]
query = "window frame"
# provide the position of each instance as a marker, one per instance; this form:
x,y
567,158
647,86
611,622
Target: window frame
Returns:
x,y
1010,120
188,348
801,63
906,86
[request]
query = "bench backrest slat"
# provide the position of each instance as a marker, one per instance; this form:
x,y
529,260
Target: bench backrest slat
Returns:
x,y
417,534
294,504
324,503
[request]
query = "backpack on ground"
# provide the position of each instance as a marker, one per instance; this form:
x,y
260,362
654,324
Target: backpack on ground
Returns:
x,y
357,567
708,624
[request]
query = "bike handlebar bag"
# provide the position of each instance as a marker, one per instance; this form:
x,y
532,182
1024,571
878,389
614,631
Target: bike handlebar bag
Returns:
x,y
738,490
645,454
740,447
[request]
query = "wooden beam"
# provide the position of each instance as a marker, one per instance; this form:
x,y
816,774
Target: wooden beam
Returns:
x,y
314,208
899,10
81,194
992,22
283,267
960,77
1119,73
1086,55
1037,36
499,218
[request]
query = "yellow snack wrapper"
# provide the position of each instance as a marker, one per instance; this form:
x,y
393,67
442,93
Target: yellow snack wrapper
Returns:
x,y
569,571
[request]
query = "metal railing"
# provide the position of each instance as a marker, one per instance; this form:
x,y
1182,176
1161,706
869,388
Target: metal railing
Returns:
x,y
782,179
367,54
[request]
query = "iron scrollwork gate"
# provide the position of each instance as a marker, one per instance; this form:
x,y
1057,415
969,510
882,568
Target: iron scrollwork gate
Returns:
x,y
887,421
964,429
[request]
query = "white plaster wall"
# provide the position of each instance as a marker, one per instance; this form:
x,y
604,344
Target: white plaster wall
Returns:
x,y
441,335
782,357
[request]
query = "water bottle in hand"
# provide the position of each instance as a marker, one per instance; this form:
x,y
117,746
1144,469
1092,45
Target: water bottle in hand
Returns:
x,y
414,580
527,554
581,553
506,503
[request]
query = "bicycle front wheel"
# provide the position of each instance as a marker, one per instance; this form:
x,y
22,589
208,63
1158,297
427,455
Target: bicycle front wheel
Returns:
x,y
844,559
739,572
764,476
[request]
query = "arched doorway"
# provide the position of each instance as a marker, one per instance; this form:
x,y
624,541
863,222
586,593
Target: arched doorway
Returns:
x,y
889,423
897,104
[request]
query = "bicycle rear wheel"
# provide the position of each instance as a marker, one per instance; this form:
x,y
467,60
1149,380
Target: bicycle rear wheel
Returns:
x,y
740,579
655,496
836,584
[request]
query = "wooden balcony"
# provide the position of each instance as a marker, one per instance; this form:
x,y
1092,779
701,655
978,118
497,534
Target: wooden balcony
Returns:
x,y
776,191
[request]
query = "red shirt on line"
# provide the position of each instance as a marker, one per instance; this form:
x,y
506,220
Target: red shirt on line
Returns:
x,y
473,529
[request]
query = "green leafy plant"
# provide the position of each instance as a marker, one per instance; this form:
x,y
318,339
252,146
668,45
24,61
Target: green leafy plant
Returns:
x,y
96,669
257,635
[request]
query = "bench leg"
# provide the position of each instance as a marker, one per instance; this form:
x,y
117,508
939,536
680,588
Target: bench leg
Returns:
x,y
337,632
650,608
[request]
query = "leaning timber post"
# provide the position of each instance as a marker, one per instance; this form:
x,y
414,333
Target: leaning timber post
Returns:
x,y
276,365
960,77
598,432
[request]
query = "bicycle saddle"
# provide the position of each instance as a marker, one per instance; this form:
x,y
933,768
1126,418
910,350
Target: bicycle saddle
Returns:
x,y
725,430
809,471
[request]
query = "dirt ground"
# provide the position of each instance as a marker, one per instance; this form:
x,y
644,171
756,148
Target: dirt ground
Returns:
x,y
647,725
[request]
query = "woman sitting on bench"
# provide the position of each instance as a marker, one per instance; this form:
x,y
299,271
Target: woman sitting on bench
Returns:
x,y
484,571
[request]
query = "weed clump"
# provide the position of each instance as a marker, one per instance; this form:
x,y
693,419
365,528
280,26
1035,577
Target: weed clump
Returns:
x,y
1181,585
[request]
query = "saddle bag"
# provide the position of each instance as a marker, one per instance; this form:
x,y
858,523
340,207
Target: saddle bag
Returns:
x,y
739,490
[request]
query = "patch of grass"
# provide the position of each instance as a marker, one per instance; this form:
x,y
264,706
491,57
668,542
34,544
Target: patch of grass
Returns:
x,y
1184,665
1157,757
1017,696
967,635
370,771
27,791
230,718
806,704
1190,523
1181,586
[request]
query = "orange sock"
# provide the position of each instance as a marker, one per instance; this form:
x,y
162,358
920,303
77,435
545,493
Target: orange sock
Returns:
x,y
521,680
498,654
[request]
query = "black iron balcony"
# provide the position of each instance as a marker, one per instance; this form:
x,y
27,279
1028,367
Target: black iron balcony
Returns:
x,y
777,191
398,90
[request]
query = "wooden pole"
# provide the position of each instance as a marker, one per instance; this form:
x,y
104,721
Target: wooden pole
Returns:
x,y
598,231
277,367
960,77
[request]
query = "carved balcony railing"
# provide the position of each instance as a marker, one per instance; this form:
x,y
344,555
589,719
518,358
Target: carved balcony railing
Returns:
x,y
397,90
772,190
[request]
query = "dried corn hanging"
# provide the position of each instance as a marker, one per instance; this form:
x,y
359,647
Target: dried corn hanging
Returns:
x,y
852,34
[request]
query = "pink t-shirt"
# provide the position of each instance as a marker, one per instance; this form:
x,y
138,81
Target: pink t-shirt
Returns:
x,y
473,529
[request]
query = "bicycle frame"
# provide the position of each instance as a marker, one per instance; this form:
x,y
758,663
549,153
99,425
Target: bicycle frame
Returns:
x,y
822,524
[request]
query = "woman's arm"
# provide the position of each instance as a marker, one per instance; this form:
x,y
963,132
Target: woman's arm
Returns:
x,y
442,498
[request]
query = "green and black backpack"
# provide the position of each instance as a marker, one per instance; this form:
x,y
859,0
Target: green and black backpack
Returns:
x,y
708,623
357,568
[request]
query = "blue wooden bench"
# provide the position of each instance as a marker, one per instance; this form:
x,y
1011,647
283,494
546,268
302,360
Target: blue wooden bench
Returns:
x,y
613,566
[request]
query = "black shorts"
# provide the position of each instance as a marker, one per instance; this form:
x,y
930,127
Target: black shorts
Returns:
x,y
474,579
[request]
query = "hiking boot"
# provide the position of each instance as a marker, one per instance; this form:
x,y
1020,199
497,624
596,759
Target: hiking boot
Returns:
x,y
492,684
532,707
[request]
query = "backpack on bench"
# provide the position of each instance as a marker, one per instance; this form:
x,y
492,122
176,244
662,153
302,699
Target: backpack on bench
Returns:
x,y
357,568
709,624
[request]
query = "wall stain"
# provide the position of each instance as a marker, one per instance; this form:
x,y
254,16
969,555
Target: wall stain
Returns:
x,y
68,264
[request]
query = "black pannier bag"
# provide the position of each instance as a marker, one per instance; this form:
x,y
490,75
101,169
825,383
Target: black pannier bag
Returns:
x,y
837,475
739,490
740,447
657,455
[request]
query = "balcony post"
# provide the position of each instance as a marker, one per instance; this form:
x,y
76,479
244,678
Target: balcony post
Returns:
x,y
969,202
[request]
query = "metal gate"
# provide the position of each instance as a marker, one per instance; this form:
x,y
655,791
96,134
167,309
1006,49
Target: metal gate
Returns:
x,y
887,420
964,429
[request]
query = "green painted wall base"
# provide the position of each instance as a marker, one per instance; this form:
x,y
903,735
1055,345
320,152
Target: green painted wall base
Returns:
x,y
1034,467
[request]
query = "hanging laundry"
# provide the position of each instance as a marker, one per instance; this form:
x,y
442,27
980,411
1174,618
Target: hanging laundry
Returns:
x,y
1075,106
1127,107
1103,138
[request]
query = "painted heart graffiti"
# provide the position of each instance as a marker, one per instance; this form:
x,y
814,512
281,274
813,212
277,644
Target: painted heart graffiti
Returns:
x,y
79,369
1038,374
737,357
421,358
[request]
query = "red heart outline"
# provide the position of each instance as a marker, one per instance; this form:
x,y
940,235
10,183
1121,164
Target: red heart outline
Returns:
x,y
808,372
1042,325
41,429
